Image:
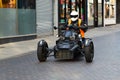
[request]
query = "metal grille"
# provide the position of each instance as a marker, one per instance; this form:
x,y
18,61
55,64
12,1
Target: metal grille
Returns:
x,y
64,54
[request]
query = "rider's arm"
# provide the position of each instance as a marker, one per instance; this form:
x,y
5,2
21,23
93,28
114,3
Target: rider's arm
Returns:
x,y
83,23
64,26
84,26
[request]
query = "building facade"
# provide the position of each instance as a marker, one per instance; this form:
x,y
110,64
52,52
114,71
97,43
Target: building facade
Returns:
x,y
94,12
27,19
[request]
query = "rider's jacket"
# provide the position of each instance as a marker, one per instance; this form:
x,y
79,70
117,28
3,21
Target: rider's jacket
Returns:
x,y
77,23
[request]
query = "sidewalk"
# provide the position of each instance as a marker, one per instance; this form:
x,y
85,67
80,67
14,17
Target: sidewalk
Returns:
x,y
14,49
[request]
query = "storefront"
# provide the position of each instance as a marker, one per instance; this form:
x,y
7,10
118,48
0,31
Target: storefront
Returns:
x,y
87,10
17,19
21,18
90,11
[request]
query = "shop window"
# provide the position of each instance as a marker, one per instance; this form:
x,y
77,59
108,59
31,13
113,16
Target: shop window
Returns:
x,y
90,12
26,17
109,8
17,20
8,18
7,3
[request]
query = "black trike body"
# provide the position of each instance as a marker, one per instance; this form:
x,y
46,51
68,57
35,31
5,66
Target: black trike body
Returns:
x,y
68,46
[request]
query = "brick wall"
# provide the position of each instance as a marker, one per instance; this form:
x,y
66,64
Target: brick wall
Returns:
x,y
118,11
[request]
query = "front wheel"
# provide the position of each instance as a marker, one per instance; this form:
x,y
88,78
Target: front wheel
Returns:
x,y
89,52
42,51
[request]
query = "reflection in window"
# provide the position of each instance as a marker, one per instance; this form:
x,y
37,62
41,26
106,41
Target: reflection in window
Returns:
x,y
90,12
110,9
7,3
107,8
26,4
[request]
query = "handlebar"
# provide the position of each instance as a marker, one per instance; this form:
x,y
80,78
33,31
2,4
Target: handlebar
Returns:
x,y
74,27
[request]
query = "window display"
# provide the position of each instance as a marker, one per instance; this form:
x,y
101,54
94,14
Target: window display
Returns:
x,y
90,12
109,8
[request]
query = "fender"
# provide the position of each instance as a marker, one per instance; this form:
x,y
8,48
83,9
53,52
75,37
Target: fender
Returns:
x,y
42,43
88,41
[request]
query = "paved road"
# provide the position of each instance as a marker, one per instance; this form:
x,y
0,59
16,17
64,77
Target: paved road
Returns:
x,y
106,64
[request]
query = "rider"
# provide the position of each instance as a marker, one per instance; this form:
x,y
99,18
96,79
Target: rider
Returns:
x,y
76,21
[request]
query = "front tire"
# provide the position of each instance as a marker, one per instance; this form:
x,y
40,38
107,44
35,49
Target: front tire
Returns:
x,y
42,51
89,52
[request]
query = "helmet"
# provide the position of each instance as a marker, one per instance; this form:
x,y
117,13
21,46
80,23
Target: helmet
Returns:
x,y
74,16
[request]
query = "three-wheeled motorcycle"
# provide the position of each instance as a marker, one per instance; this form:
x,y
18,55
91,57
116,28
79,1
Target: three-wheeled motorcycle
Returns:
x,y
68,46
